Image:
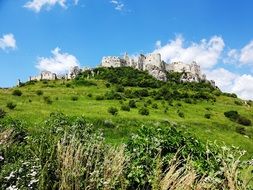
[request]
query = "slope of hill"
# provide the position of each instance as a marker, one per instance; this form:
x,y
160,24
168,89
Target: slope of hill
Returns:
x,y
121,100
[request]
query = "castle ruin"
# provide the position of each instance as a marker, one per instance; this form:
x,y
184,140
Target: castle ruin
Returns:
x,y
156,67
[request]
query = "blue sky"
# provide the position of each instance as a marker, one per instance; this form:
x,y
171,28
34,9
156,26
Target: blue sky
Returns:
x,y
37,35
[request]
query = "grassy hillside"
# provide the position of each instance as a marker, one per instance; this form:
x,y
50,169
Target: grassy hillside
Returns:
x,y
120,128
199,108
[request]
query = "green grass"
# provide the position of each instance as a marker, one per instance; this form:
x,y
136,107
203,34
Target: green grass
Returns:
x,y
33,109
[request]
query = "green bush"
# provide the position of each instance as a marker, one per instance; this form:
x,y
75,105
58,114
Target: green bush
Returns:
x,y
2,113
113,110
155,106
207,115
144,111
89,95
11,105
108,85
232,115
74,98
68,85
132,104
17,92
39,92
239,103
125,107
241,130
47,100
244,121
100,97
181,114
119,88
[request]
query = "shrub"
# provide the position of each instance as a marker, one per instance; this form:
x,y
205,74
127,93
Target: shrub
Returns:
x,y
244,121
239,103
181,114
144,111
11,105
132,104
89,95
179,104
108,124
241,130
207,115
74,98
119,88
149,101
2,113
125,107
232,115
166,109
155,106
188,101
68,85
100,97
17,93
108,85
47,100
113,110
39,92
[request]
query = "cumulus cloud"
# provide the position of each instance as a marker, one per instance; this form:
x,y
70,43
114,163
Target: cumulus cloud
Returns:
x,y
37,5
227,81
206,53
8,42
119,6
59,63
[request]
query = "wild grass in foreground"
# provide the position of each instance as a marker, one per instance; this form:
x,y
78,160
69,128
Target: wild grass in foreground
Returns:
x,y
71,153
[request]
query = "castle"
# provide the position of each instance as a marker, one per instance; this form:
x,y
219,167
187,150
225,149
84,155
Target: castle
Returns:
x,y
156,67
152,63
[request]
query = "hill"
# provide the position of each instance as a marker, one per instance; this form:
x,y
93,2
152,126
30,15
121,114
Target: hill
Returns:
x,y
119,101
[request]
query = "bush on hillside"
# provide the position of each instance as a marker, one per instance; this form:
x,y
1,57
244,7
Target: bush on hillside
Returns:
x,y
119,88
238,102
39,92
207,115
132,104
244,121
10,105
47,100
241,130
155,106
2,113
113,111
100,97
181,114
74,98
17,92
125,107
144,111
232,115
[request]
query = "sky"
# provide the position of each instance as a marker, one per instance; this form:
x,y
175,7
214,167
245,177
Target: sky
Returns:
x,y
55,35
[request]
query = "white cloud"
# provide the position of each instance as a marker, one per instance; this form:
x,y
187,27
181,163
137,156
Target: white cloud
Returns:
x,y
119,6
246,56
59,63
37,5
242,85
205,53
8,42
223,78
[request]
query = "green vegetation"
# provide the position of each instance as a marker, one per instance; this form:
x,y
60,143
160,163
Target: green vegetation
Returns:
x,y
10,105
17,92
138,100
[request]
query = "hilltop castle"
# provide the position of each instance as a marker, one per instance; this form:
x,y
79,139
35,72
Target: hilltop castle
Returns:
x,y
156,67
152,63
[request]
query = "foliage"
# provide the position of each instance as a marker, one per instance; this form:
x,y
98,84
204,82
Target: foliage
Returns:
x,y
127,76
241,130
132,104
11,105
2,113
144,111
100,97
232,115
236,117
113,110
47,100
39,92
181,114
17,92
155,106
244,121
125,107
74,98
207,115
